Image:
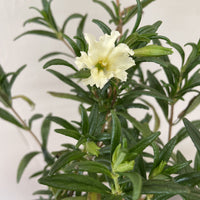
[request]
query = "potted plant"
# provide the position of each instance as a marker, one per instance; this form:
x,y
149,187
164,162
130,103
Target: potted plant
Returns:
x,y
112,154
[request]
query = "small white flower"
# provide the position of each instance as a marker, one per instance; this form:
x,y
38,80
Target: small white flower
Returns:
x,y
105,60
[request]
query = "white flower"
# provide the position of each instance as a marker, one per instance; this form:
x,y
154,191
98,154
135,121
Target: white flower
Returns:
x,y
105,60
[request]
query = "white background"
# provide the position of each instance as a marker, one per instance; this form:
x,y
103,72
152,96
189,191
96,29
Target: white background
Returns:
x,y
180,23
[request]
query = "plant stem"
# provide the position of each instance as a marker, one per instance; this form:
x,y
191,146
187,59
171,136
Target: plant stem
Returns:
x,y
171,121
25,126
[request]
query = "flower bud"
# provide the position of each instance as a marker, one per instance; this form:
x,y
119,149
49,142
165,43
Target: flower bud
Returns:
x,y
92,148
152,50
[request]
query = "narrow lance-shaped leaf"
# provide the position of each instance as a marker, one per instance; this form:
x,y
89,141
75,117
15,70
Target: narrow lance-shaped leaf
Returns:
x,y
23,164
102,26
139,16
38,32
193,132
64,159
8,117
72,97
85,120
58,61
108,9
136,181
116,132
26,99
33,118
62,122
75,182
55,53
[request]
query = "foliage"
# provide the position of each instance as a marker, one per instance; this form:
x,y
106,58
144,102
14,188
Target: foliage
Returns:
x,y
109,159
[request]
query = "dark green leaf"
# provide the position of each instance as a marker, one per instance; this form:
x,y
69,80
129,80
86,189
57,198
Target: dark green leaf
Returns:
x,y
58,61
69,82
193,132
166,152
73,45
8,117
71,96
116,132
15,75
102,26
64,159
62,122
191,179
75,182
33,118
38,32
154,83
36,20
55,53
93,119
142,144
85,120
42,192
73,16
136,181
23,164
26,99
83,73
45,129
90,166
139,16
107,8
70,133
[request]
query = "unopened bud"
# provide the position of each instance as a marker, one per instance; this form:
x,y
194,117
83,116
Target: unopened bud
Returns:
x,y
152,50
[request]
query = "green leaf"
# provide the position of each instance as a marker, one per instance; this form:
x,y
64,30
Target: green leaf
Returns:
x,y
45,129
167,187
16,74
26,99
85,120
55,53
23,164
36,20
102,26
68,81
193,103
136,181
72,97
142,127
70,133
154,83
8,117
75,182
42,192
166,152
116,132
181,159
38,32
108,9
83,73
73,16
58,61
197,162
73,45
64,159
33,118
90,166
93,119
62,122
142,144
192,178
139,16
176,167
193,132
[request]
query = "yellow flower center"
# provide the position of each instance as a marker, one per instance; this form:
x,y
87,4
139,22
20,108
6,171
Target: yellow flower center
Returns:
x,y
102,65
